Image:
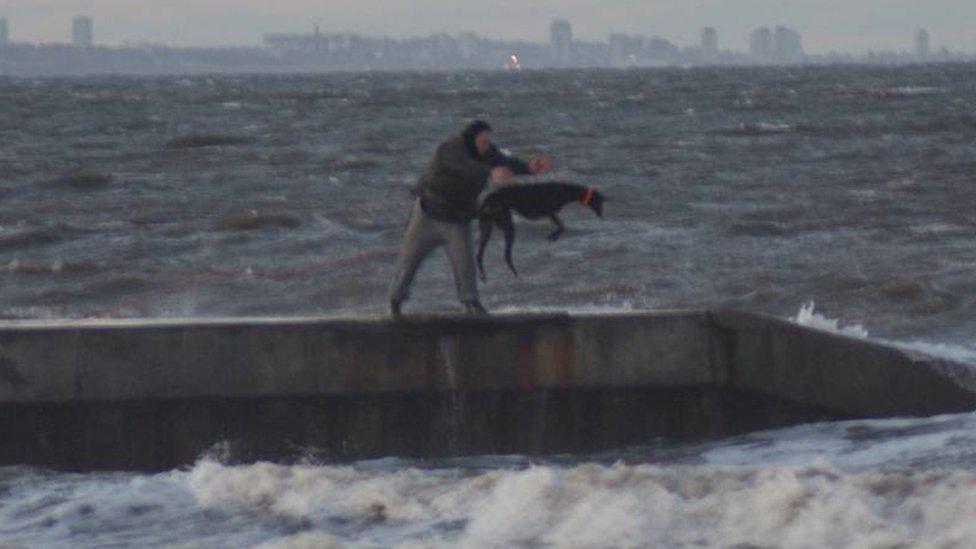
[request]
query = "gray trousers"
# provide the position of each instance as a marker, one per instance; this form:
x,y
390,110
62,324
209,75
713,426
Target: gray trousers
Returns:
x,y
423,235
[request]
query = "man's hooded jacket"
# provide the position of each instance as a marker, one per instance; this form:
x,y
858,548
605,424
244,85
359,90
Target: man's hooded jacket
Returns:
x,y
457,174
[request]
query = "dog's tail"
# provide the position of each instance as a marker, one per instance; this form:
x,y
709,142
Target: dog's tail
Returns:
x,y
487,219
507,226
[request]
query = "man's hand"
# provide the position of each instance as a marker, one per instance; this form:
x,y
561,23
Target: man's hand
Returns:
x,y
540,164
501,173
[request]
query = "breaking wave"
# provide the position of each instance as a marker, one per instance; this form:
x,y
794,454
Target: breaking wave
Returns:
x,y
807,316
592,505
846,484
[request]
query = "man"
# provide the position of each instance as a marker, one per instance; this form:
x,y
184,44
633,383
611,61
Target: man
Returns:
x,y
447,202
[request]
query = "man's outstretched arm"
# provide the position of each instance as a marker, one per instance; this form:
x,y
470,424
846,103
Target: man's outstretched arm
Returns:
x,y
516,166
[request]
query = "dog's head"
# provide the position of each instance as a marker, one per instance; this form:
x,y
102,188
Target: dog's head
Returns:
x,y
594,200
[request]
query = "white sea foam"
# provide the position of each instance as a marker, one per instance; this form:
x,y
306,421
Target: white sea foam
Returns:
x,y
956,353
863,483
813,505
845,484
807,316
854,446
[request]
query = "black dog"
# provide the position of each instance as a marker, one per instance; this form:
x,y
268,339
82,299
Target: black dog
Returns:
x,y
533,201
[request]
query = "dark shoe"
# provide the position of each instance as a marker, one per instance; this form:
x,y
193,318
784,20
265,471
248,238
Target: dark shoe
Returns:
x,y
395,309
475,308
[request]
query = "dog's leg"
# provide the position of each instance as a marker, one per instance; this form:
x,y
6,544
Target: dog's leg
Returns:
x,y
484,226
508,227
554,235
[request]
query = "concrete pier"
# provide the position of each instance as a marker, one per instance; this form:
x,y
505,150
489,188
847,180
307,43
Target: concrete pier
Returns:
x,y
156,394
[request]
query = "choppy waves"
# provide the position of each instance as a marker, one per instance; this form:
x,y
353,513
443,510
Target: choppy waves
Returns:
x,y
900,482
287,195
754,188
608,506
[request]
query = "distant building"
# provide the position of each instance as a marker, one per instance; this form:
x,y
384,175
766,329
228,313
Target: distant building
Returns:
x,y
561,40
638,51
82,32
661,52
305,43
290,42
623,50
761,45
469,46
4,33
442,45
922,46
788,46
709,44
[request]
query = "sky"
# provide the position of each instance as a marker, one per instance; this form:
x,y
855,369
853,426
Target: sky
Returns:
x,y
854,26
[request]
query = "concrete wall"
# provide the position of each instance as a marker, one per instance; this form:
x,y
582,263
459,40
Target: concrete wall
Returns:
x,y
155,394
847,375
121,361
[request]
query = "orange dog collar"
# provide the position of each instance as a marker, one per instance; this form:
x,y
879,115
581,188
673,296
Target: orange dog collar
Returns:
x,y
588,197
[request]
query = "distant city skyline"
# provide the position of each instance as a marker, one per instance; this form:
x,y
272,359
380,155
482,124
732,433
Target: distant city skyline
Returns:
x,y
826,25
325,51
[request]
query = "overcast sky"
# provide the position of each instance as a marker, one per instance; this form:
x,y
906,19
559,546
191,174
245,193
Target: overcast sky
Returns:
x,y
843,25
